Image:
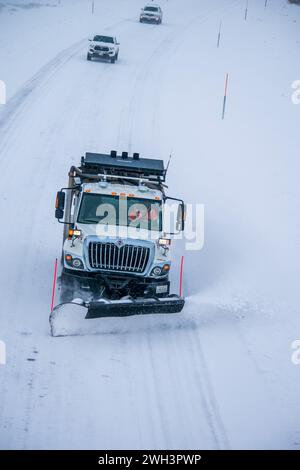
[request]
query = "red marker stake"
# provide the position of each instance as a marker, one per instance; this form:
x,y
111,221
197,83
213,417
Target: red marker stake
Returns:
x,y
225,96
181,276
54,284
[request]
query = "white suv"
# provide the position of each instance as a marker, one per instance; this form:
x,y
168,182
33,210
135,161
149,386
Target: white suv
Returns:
x,y
103,47
151,13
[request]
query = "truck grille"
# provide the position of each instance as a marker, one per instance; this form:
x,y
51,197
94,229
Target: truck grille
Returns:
x,y
101,48
127,258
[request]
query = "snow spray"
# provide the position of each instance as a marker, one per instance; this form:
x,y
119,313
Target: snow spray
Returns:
x,y
2,92
54,285
181,276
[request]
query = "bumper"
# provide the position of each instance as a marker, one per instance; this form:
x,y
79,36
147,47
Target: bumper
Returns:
x,y
149,20
102,55
136,286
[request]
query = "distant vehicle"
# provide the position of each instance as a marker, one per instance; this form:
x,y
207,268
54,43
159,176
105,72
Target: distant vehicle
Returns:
x,y
151,13
103,47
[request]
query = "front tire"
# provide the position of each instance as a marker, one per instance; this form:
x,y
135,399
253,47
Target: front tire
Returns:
x,y
89,57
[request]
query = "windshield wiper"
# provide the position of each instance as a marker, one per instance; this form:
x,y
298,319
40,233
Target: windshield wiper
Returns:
x,y
89,221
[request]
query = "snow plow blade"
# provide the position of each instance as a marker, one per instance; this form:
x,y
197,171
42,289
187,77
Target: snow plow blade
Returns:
x,y
69,318
100,309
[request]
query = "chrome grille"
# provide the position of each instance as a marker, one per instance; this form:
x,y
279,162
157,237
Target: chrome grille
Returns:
x,y
126,258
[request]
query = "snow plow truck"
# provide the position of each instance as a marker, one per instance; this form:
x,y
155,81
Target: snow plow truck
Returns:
x,y
115,258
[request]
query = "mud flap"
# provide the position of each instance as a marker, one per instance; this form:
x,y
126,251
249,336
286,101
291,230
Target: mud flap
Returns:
x,y
100,309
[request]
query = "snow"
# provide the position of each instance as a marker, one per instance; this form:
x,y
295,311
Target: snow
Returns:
x,y
220,374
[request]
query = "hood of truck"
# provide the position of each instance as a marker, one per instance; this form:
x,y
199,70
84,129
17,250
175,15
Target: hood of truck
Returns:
x,y
113,231
103,44
150,13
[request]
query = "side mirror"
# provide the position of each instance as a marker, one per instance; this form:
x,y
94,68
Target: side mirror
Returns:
x,y
173,215
180,218
59,214
60,204
90,40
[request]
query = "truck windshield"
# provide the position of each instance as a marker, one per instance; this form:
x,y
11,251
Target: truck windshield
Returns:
x,y
121,211
104,39
155,9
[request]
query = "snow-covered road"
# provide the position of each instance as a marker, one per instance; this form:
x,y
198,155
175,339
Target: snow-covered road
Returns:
x,y
219,375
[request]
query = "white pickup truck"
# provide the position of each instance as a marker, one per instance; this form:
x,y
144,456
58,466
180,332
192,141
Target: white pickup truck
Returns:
x,y
103,47
151,13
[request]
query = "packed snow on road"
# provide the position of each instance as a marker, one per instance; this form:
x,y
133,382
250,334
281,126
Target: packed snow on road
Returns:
x,y
217,87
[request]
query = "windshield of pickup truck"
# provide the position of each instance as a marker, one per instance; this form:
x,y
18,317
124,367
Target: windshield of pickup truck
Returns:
x,y
154,9
107,39
121,211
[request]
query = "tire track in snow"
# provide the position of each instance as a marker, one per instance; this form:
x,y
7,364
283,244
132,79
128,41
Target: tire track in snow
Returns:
x,y
23,99
210,404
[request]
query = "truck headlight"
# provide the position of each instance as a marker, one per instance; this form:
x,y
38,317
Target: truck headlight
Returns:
x,y
74,262
77,263
156,271
164,242
160,271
